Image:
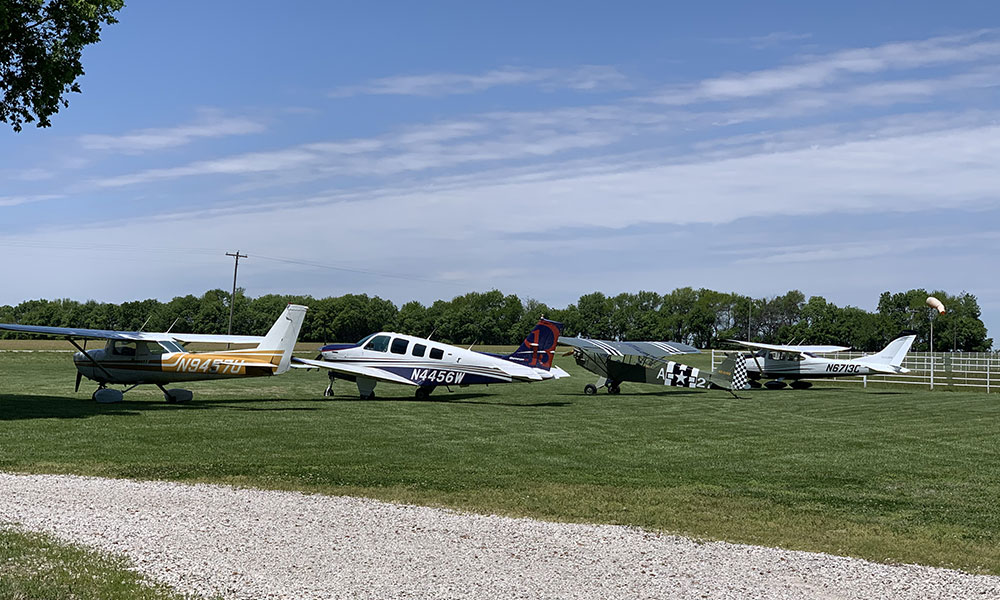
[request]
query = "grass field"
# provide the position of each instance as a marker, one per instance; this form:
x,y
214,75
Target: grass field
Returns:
x,y
37,567
885,474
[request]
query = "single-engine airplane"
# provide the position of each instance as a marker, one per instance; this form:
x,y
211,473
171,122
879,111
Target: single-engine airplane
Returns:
x,y
731,374
425,364
796,362
134,358
597,357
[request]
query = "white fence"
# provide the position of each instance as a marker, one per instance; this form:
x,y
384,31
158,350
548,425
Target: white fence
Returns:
x,y
978,370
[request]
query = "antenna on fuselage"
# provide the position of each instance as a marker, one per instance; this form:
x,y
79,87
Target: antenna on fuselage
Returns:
x,y
146,322
172,325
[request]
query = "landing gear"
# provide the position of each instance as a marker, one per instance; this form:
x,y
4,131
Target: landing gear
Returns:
x,y
328,392
613,388
176,396
424,392
775,384
104,395
366,388
801,385
590,389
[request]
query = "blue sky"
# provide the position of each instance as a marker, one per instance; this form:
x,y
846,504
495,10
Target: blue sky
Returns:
x,y
423,150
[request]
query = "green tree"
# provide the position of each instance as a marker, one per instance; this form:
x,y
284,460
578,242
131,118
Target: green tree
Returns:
x,y
41,44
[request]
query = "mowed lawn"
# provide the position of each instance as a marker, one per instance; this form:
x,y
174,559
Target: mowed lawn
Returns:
x,y
886,474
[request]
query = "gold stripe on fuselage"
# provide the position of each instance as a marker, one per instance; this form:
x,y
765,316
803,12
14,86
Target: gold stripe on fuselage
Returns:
x,y
188,366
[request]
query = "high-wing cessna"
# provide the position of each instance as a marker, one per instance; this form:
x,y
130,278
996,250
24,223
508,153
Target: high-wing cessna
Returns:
x,y
796,363
133,358
608,360
425,364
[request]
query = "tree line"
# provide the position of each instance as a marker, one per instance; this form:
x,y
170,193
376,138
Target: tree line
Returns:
x,y
700,317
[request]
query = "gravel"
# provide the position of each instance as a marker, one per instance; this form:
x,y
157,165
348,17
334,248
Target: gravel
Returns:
x,y
246,543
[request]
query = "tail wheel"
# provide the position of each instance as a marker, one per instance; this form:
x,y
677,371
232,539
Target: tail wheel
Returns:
x,y
590,389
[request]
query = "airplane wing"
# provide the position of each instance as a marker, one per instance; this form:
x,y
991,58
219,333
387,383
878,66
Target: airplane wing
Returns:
x,y
353,370
108,334
793,348
647,349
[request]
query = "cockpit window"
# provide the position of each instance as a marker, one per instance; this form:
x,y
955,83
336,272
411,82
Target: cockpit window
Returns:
x,y
150,348
365,339
379,343
123,348
169,346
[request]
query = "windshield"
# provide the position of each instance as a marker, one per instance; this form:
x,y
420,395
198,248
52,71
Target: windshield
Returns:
x,y
365,339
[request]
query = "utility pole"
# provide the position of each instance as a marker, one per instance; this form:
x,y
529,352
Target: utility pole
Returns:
x,y
232,299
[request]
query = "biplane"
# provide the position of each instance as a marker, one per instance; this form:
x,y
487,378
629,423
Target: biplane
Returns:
x,y
134,358
646,362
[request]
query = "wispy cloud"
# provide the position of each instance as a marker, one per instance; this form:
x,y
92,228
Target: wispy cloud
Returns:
x,y
585,78
490,137
210,125
759,42
19,200
819,71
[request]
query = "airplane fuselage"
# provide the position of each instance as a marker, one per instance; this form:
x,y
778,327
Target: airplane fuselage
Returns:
x,y
809,368
170,367
427,363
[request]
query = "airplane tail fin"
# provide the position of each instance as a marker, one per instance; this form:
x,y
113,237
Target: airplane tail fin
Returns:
x,y
282,336
732,373
538,349
893,354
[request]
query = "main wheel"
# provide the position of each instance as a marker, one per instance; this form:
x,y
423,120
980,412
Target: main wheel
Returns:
x,y
590,389
328,392
613,389
423,393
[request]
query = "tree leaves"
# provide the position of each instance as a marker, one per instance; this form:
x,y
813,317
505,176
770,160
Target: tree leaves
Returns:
x,y
41,45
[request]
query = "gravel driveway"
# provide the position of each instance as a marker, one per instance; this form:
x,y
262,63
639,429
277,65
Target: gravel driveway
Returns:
x,y
245,543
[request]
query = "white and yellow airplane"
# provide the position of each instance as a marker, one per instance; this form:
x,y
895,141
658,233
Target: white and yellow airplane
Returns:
x,y
134,358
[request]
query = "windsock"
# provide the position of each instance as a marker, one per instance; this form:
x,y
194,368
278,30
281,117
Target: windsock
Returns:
x,y
935,304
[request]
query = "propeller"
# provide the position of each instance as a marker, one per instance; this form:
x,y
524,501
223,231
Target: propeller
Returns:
x,y
79,376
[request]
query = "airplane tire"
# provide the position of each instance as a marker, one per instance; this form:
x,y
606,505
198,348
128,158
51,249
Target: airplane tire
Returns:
x,y
801,385
614,390
328,392
423,393
590,389
370,396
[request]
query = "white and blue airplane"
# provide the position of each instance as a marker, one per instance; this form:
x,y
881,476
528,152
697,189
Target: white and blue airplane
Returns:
x,y
426,364
781,363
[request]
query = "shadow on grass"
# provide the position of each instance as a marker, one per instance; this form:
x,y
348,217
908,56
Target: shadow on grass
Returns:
x,y
473,398
19,406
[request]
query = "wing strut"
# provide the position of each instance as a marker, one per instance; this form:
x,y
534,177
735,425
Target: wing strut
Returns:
x,y
90,358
